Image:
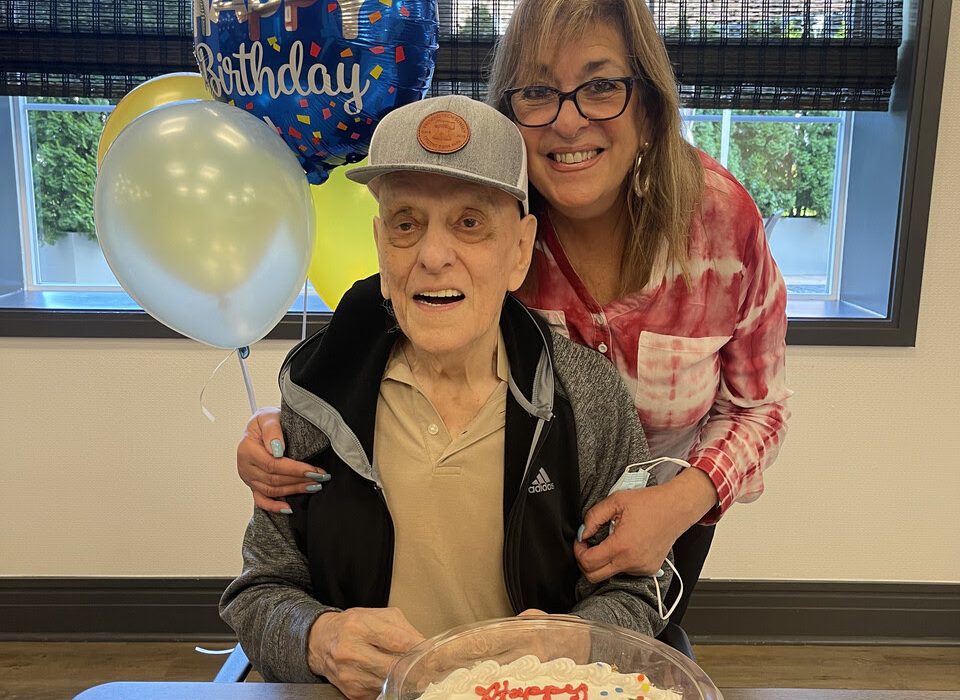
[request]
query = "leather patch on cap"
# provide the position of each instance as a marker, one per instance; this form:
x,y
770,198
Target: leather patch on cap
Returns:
x,y
443,132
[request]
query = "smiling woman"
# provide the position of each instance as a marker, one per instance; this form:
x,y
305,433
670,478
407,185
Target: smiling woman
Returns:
x,y
654,255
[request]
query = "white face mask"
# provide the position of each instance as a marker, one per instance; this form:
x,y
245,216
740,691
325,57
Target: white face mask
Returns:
x,y
636,476
656,579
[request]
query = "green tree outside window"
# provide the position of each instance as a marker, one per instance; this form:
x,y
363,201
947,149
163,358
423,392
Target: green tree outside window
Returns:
x,y
787,167
64,146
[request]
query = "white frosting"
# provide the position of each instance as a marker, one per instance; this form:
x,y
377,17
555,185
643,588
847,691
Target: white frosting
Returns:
x,y
488,680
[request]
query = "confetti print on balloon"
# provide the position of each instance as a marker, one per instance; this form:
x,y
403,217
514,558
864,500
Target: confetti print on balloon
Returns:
x,y
318,71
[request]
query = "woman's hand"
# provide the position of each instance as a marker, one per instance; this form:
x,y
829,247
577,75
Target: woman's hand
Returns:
x,y
648,522
262,466
355,649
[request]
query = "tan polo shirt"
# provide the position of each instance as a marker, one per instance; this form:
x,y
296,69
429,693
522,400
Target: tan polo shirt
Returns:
x,y
445,495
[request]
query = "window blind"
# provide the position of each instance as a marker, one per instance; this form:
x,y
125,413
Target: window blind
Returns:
x,y
740,54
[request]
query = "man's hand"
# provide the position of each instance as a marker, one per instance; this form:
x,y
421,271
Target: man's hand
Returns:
x,y
262,466
355,649
648,522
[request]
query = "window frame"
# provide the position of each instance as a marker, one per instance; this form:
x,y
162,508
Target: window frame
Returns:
x,y
926,26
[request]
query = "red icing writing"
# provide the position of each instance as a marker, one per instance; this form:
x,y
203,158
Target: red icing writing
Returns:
x,y
501,690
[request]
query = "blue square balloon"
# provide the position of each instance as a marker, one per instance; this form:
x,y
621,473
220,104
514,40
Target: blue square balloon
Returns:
x,y
321,73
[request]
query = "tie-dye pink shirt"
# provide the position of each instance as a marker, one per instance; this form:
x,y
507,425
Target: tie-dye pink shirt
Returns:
x,y
704,364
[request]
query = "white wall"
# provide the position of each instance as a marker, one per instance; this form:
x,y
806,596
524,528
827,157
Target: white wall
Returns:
x,y
108,468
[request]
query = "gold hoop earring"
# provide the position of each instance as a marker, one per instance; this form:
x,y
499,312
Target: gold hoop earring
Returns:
x,y
641,187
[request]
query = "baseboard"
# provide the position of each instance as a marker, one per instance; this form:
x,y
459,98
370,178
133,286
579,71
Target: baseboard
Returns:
x,y
792,612
112,609
744,612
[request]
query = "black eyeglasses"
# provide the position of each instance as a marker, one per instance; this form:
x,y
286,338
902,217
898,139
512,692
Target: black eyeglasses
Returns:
x,y
598,100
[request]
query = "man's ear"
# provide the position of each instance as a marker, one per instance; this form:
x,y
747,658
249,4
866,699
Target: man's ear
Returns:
x,y
377,236
528,234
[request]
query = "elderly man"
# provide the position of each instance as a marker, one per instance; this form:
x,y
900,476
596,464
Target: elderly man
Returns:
x,y
464,440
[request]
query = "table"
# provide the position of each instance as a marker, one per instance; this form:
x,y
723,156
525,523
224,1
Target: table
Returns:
x,y
289,691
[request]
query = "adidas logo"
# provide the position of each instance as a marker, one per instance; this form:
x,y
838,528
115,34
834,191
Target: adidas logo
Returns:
x,y
541,483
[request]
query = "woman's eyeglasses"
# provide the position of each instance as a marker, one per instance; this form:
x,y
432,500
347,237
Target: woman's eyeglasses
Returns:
x,y
598,100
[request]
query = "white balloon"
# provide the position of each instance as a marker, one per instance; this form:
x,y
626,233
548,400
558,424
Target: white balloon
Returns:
x,y
206,218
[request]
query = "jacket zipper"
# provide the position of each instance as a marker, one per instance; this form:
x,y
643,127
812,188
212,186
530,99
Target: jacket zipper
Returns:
x,y
511,564
388,565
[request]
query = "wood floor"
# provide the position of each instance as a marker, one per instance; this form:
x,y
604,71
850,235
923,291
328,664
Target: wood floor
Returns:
x,y
57,671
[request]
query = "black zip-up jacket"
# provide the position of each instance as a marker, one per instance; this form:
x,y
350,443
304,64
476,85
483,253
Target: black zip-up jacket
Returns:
x,y
567,412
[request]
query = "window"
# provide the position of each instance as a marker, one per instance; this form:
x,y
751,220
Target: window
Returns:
x,y
53,165
790,95
56,145
794,166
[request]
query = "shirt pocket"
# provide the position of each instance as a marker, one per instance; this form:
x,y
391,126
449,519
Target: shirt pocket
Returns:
x,y
556,319
677,379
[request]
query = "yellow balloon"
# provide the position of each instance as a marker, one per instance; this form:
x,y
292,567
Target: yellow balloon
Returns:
x,y
344,251
162,90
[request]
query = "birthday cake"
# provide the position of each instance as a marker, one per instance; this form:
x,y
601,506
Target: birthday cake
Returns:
x,y
528,678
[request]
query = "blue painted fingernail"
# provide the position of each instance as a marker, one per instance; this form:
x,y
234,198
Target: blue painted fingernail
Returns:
x,y
580,533
318,476
276,447
313,488
286,511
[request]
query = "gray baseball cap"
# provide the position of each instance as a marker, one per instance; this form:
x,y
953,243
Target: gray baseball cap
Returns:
x,y
454,136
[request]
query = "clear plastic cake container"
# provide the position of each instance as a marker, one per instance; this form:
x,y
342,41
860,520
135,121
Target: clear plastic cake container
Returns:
x,y
548,638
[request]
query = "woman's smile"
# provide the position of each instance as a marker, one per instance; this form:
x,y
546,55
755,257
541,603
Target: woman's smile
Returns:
x,y
580,159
